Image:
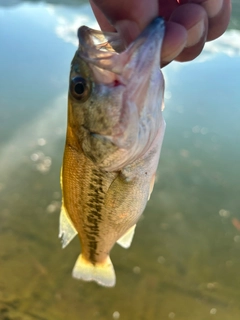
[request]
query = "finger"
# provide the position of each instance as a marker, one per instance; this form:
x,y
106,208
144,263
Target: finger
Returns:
x,y
120,13
166,7
101,19
194,19
219,12
174,42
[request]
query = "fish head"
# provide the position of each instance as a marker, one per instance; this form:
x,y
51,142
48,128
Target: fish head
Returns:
x,y
116,93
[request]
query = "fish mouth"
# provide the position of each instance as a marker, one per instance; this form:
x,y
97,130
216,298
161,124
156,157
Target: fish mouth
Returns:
x,y
99,48
105,50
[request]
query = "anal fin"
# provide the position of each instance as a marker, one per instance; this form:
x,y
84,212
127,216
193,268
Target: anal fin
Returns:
x,y
67,230
126,240
103,273
151,186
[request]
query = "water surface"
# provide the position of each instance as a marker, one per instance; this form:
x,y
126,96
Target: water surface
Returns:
x,y
185,258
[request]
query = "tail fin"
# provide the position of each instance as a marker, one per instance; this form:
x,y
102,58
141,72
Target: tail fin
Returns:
x,y
102,273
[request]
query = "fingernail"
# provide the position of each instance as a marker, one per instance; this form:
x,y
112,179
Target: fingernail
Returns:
x,y
213,7
195,34
129,30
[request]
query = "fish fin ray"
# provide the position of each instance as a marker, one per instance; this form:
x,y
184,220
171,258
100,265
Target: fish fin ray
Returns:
x,y
67,230
126,240
151,186
102,273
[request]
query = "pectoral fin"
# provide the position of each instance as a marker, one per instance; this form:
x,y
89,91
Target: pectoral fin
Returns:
x,y
126,240
67,230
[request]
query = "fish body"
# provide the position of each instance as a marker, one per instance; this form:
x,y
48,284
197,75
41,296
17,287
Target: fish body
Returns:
x,y
114,136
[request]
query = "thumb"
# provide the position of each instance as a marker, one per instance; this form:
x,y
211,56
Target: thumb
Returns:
x,y
129,18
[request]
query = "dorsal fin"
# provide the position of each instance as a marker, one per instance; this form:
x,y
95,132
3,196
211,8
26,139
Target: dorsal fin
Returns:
x,y
67,230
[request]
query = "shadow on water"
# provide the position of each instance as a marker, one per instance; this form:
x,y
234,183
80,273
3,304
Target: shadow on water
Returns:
x,y
184,260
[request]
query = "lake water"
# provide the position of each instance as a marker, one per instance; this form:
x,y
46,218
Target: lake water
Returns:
x,y
184,261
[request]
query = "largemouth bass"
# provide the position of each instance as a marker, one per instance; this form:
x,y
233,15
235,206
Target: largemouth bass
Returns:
x,y
114,135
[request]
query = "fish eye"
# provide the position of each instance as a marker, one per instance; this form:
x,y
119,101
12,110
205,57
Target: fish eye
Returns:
x,y
79,88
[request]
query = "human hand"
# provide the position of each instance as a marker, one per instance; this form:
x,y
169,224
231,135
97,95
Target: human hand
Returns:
x,y
189,23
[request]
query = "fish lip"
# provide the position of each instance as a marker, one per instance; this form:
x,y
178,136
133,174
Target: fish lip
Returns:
x,y
86,36
104,49
96,45
98,48
158,24
145,51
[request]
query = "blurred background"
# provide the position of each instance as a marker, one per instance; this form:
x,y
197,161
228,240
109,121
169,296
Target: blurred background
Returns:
x,y
184,261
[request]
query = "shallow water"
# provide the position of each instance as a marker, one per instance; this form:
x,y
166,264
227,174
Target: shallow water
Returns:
x,y
185,258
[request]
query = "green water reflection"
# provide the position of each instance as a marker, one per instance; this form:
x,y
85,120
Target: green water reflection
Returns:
x,y
184,260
